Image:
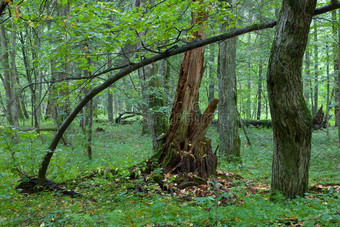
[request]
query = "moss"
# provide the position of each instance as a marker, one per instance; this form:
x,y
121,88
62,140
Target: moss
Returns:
x,y
169,157
308,113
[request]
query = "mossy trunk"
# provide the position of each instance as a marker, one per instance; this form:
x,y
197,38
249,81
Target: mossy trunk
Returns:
x,y
291,118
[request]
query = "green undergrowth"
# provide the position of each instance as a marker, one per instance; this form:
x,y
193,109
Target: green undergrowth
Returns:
x,y
113,200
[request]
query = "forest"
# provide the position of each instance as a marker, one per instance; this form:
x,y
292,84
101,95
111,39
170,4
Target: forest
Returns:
x,y
170,113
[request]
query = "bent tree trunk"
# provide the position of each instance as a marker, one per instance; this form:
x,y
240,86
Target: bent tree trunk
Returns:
x,y
291,118
186,149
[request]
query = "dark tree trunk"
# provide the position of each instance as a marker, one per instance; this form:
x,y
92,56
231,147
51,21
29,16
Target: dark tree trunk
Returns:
x,y
308,88
9,79
336,49
328,92
185,148
211,90
316,68
259,92
338,84
291,118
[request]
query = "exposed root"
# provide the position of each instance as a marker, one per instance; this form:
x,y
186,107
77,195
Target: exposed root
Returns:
x,y
29,186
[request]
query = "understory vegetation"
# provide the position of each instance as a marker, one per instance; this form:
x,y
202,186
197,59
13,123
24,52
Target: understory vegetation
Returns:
x,y
111,198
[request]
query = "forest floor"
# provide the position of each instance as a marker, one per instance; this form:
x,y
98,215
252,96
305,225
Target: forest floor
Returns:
x,y
237,196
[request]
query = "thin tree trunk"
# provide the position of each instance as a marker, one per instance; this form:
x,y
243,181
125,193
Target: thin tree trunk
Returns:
x,y
249,87
338,84
328,92
89,130
9,80
316,65
308,87
37,78
110,96
157,121
291,118
166,79
143,72
259,91
336,51
211,90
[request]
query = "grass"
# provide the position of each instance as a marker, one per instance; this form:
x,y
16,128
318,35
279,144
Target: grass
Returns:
x,y
108,201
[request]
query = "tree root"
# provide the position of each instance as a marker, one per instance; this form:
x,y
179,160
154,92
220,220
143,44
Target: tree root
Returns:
x,y
29,186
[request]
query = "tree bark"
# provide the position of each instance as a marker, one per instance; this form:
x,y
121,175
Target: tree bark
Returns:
x,y
338,84
291,118
211,90
328,92
336,51
186,149
156,118
9,79
316,68
228,118
87,119
259,91
308,88
248,114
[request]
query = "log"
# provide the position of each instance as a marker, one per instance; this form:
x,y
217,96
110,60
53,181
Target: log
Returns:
x,y
120,117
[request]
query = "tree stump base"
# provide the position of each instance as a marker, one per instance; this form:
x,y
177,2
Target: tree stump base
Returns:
x,y
200,161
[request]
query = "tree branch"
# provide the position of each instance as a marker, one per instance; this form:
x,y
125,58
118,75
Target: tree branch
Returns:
x,y
330,7
3,5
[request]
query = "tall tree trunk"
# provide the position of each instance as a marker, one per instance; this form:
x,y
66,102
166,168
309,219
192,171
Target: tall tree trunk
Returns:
x,y
328,91
87,119
9,78
308,87
164,64
338,84
291,118
316,65
157,120
110,96
249,86
211,90
336,51
185,148
37,76
144,73
228,118
259,91
154,117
